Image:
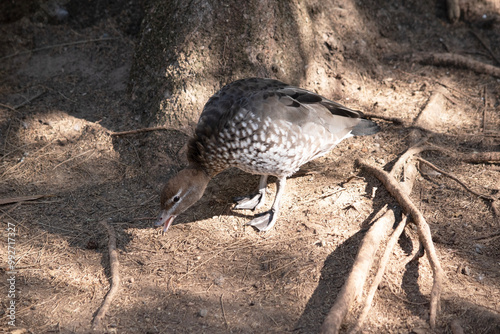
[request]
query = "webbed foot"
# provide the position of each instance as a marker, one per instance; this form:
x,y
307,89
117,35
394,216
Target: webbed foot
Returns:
x,y
250,202
264,221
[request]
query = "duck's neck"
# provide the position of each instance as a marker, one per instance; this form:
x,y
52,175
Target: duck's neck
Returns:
x,y
202,175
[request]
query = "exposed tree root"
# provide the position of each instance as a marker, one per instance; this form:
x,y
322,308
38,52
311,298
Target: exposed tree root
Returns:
x,y
399,182
451,59
353,286
380,274
354,283
423,231
115,276
479,157
415,149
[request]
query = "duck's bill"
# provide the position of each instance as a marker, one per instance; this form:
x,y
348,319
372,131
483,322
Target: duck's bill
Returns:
x,y
164,220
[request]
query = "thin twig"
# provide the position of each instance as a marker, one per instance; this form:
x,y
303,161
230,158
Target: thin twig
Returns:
x,y
473,157
130,132
223,312
493,201
282,267
6,213
22,104
480,39
115,275
423,229
57,45
8,107
31,99
484,109
323,196
380,274
454,178
72,158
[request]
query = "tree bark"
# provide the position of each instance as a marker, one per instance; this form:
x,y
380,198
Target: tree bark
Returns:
x,y
190,49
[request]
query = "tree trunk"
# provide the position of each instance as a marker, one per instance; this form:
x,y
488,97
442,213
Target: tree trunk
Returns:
x,y
190,49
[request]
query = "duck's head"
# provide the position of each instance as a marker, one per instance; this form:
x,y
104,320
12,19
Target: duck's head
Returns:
x,y
180,192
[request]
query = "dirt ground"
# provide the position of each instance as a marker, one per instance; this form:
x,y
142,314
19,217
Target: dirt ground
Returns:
x,y
63,89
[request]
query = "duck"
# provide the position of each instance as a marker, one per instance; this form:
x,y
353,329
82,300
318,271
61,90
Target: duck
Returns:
x,y
261,126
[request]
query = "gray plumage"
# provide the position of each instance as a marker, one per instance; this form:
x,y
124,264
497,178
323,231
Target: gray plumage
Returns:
x,y
264,126
261,126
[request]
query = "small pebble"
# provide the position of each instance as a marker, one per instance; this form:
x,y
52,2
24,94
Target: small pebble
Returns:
x,y
478,248
203,312
131,280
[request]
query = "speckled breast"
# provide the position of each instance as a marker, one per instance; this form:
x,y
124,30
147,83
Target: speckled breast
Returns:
x,y
261,145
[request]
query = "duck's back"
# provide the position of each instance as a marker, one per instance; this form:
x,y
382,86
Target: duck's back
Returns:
x,y
264,126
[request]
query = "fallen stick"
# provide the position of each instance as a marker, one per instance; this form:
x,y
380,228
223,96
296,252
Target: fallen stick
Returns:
x,y
11,200
451,59
380,274
423,229
353,287
131,132
115,275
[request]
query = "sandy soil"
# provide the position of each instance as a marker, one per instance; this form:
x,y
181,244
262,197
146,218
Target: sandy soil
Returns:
x,y
63,90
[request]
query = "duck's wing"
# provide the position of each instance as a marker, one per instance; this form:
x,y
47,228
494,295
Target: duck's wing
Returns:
x,y
341,118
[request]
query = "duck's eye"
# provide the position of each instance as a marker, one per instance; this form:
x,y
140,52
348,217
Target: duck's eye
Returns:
x,y
176,199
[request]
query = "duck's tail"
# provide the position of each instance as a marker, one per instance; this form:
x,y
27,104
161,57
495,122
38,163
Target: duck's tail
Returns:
x,y
365,127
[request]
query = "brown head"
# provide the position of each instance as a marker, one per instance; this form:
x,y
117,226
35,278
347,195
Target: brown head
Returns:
x,y
180,192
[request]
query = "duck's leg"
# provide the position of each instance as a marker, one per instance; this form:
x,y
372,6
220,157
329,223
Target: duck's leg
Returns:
x,y
266,220
253,201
